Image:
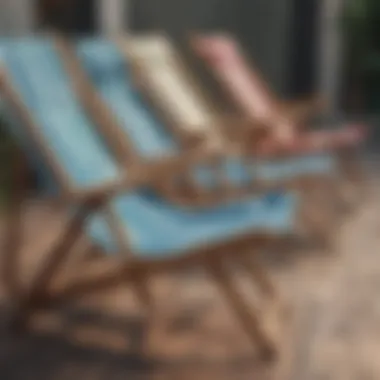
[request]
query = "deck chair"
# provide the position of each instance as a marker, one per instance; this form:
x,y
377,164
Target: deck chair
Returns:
x,y
106,202
247,90
152,59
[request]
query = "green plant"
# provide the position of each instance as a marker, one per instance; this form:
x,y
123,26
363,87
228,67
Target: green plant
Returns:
x,y
361,25
361,31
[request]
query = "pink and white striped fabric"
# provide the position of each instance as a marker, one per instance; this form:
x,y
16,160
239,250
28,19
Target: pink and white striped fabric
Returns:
x,y
222,54
249,91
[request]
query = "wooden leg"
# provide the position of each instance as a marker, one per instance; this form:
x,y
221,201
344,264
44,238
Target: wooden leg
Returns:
x,y
57,255
11,251
339,201
34,296
156,321
259,276
319,214
354,178
247,317
145,298
11,247
144,294
321,227
14,226
276,312
331,201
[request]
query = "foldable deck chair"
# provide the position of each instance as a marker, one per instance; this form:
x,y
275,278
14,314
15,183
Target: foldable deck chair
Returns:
x,y
248,91
107,204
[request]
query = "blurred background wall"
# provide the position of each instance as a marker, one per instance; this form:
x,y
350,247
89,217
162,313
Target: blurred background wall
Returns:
x,y
16,17
295,43
269,29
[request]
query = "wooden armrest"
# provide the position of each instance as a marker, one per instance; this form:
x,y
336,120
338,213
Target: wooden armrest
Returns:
x,y
312,142
300,110
153,173
242,129
147,174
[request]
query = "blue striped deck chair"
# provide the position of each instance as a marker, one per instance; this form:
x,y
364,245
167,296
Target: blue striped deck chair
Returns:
x,y
106,202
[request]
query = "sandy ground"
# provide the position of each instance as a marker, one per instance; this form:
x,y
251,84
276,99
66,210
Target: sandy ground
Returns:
x,y
335,332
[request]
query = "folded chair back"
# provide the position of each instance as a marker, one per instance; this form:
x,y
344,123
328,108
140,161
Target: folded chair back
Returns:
x,y
163,78
227,60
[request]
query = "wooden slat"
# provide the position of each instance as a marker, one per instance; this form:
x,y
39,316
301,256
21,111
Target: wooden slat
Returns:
x,y
104,120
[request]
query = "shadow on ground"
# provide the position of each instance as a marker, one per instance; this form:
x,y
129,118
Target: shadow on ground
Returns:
x,y
41,355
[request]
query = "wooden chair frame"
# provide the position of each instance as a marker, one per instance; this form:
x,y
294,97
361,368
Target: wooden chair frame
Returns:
x,y
41,292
